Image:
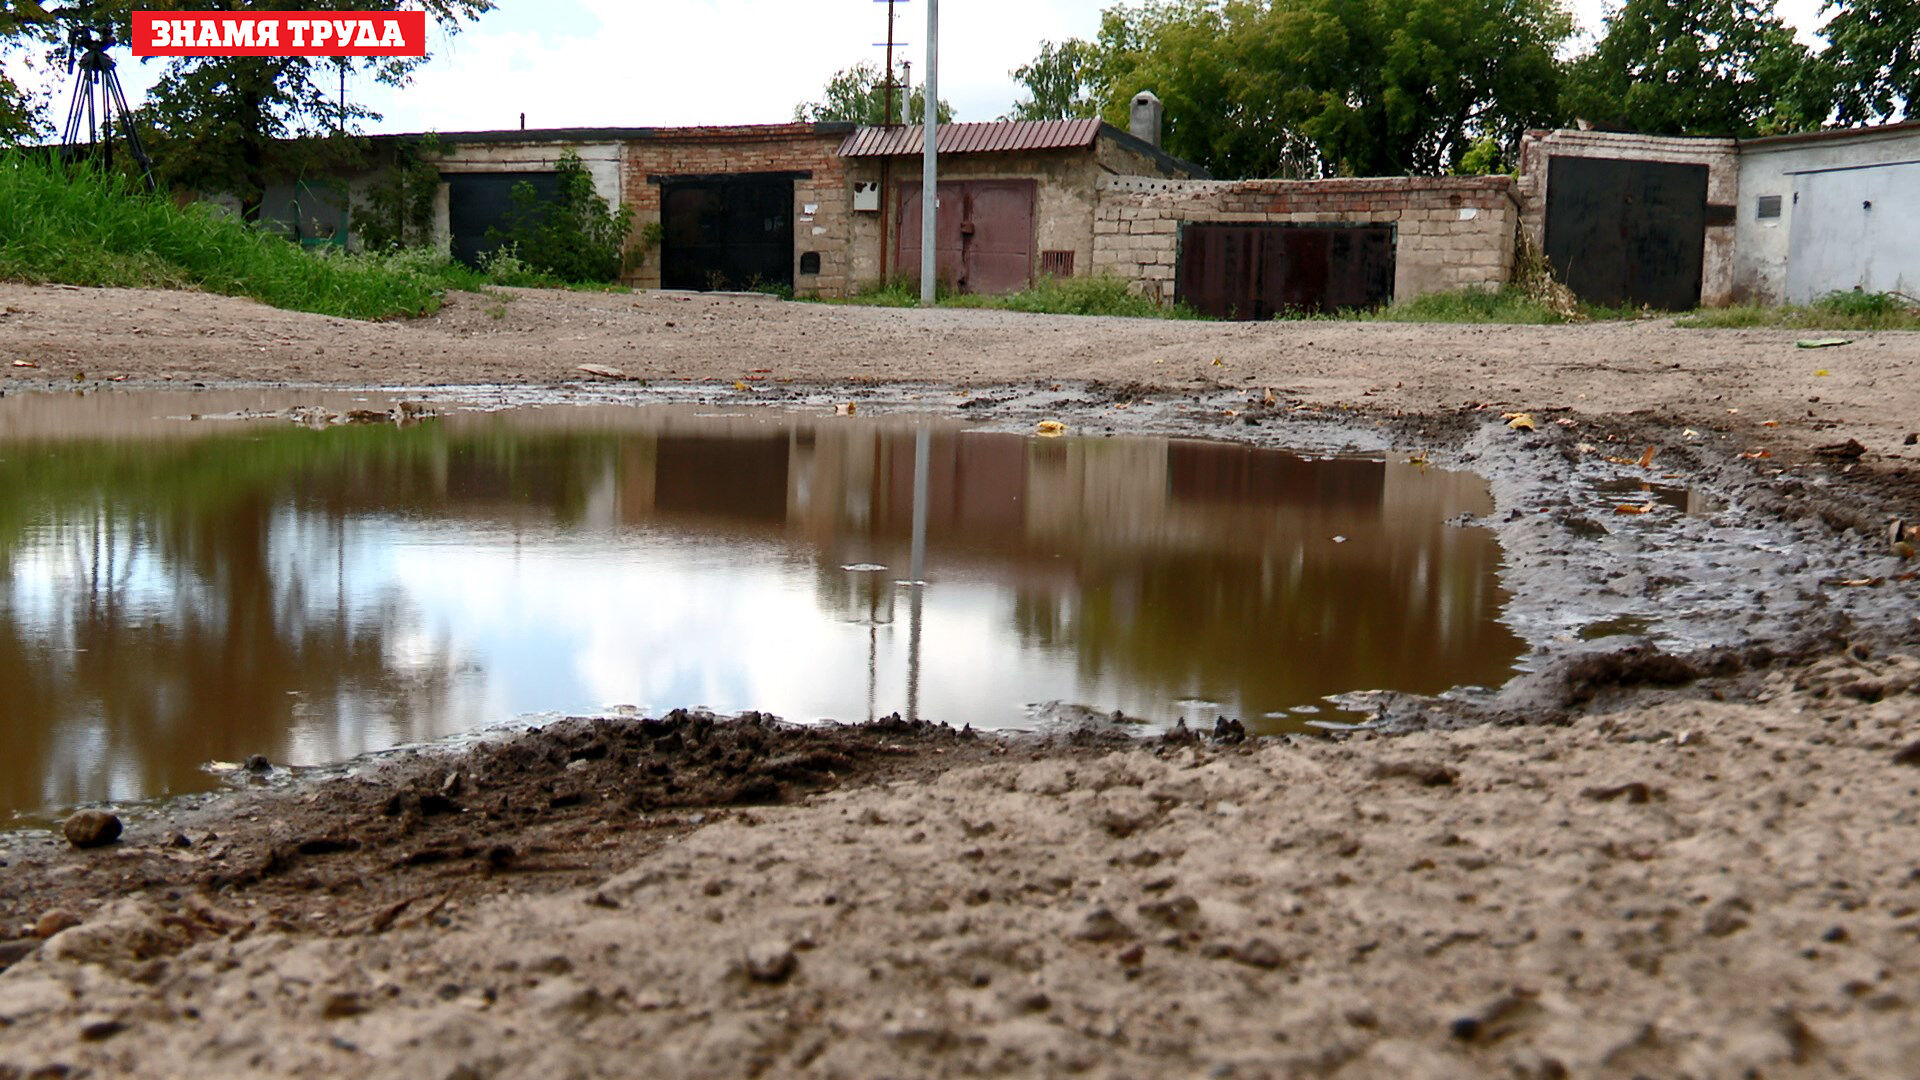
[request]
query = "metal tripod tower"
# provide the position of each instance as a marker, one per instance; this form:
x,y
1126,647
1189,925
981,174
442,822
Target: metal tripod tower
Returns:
x,y
98,104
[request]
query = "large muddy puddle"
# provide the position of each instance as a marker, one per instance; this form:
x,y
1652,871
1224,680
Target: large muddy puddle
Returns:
x,y
176,590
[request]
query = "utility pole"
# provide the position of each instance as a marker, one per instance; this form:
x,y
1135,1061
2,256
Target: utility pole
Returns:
x,y
929,157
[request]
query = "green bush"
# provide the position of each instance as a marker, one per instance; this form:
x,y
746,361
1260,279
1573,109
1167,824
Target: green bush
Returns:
x,y
82,227
574,236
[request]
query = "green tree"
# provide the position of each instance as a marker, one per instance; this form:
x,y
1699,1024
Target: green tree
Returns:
x,y
1873,58
22,22
1345,87
1697,67
575,236
1060,83
859,94
397,210
231,123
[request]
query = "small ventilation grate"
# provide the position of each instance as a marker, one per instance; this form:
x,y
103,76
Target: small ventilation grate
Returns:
x,y
1769,206
1056,263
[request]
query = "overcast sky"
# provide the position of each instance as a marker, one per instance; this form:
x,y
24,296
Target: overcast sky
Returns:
x,y
617,63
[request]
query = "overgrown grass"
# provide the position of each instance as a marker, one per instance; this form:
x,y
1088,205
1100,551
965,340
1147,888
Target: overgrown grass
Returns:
x,y
1508,304
86,228
1834,311
1102,294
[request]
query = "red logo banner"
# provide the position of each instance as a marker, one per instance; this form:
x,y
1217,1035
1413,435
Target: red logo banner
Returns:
x,y
288,33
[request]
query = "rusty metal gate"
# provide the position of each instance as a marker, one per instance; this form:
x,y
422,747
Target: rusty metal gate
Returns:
x,y
1233,271
1628,232
731,231
984,242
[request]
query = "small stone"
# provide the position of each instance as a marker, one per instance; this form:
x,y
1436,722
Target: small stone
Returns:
x,y
771,962
1133,955
1727,917
258,763
179,840
92,829
565,995
341,1005
1102,924
53,922
100,1030
1908,755
1036,1002
1260,953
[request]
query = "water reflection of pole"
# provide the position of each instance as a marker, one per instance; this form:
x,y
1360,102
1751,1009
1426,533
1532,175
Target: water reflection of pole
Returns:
x,y
916,577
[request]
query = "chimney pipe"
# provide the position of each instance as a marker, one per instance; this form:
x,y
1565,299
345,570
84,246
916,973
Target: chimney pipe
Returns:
x,y
1145,116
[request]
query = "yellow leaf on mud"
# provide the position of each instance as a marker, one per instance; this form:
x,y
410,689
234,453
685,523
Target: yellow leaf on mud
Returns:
x,y
1521,422
738,385
1822,373
1646,459
1217,362
1633,508
1049,429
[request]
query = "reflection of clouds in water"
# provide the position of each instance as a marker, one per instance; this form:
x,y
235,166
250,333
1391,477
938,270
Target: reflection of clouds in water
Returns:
x,y
575,625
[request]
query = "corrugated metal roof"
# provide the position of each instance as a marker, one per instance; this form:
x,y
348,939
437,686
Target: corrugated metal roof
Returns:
x,y
980,138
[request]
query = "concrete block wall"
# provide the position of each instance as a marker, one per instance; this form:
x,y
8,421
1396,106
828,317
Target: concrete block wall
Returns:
x,y
1720,156
699,151
1450,232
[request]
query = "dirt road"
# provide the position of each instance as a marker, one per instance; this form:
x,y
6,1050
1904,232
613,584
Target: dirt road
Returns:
x,y
1657,865
541,337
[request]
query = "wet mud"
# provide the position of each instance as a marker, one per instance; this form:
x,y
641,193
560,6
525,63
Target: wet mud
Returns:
x,y
408,836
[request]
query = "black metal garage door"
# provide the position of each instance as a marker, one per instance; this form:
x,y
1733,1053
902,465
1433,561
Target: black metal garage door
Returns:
x,y
1233,271
477,202
1627,232
726,232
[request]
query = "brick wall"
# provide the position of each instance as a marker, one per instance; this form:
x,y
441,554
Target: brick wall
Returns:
x,y
1720,156
1449,232
760,148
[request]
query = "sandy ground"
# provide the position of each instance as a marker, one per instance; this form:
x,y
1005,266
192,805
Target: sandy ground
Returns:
x,y
1711,879
539,337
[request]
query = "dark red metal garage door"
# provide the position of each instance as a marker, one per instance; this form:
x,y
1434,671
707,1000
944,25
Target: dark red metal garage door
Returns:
x,y
1232,271
985,238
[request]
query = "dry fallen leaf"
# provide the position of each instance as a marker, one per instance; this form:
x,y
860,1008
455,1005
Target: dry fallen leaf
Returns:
x,y
25,363
1646,459
1217,362
1521,422
1050,429
1769,423
603,371
1862,582
738,385
1633,508
844,410
1756,455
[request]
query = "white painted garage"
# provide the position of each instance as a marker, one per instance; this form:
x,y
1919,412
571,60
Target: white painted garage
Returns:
x,y
1829,211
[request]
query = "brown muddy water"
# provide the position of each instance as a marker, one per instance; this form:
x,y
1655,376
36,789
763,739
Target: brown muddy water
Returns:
x,y
177,589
